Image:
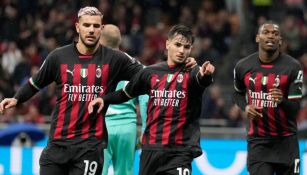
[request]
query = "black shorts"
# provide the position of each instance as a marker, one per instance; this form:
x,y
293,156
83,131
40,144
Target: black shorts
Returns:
x,y
165,162
71,160
279,155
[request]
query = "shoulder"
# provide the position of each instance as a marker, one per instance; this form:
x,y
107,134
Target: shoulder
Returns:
x,y
157,66
249,60
64,51
289,60
113,52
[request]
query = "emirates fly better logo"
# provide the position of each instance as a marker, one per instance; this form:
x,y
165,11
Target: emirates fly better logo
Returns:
x,y
82,92
261,99
167,97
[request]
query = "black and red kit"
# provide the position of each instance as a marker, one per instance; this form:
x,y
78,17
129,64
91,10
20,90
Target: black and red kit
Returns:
x,y
173,107
80,79
269,137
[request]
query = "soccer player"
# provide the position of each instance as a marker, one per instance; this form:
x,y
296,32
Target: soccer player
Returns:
x,y
82,71
268,86
121,119
172,133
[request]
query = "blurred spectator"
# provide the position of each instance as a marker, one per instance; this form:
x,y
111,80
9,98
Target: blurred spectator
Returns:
x,y
11,57
33,115
291,35
235,116
213,104
31,29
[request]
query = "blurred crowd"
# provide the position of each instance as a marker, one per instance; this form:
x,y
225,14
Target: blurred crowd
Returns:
x,y
225,32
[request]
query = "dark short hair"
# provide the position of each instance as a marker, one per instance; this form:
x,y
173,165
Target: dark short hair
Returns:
x,y
181,30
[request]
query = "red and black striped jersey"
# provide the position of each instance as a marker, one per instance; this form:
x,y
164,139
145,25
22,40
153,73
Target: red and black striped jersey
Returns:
x,y
80,79
173,107
255,78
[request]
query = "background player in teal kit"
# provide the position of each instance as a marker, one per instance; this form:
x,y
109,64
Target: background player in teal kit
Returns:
x,y
121,119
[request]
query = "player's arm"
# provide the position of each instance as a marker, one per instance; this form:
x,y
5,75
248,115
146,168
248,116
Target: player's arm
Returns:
x,y
127,65
42,78
134,88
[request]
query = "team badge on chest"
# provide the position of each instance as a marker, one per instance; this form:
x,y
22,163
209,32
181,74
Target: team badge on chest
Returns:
x,y
180,78
98,72
264,80
83,72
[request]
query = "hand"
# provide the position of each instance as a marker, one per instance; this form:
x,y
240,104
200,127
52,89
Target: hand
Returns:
x,y
190,63
206,69
276,95
253,112
7,103
97,101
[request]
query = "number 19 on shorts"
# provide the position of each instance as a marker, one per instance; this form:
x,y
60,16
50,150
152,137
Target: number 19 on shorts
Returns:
x,y
183,171
90,167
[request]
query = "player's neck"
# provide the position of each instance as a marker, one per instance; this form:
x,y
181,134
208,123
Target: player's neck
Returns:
x,y
267,57
171,63
84,50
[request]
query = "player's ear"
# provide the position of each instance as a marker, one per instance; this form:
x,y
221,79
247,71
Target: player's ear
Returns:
x,y
77,27
167,44
257,39
280,41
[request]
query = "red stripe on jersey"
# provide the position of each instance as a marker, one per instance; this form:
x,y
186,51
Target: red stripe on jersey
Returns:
x,y
85,119
62,104
85,56
271,113
156,111
100,120
267,66
168,115
282,114
258,88
150,106
182,110
75,103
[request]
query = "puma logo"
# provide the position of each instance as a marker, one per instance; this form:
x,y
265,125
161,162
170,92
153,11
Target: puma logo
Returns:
x,y
71,72
252,79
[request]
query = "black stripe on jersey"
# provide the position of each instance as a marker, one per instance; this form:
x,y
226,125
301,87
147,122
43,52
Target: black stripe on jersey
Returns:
x,y
265,117
278,122
257,88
